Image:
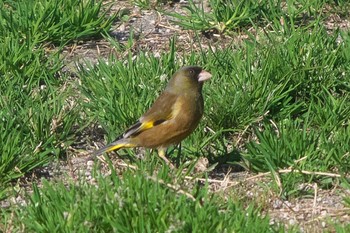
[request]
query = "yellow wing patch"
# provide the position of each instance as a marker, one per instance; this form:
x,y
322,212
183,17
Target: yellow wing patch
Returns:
x,y
146,125
139,127
153,120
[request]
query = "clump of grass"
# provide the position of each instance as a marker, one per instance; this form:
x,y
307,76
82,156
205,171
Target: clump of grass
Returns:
x,y
37,114
229,16
133,202
57,21
37,122
225,15
149,4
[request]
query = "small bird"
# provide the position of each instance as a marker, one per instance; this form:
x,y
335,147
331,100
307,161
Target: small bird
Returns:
x,y
174,115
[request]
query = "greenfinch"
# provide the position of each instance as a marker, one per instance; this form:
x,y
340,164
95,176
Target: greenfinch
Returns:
x,y
174,115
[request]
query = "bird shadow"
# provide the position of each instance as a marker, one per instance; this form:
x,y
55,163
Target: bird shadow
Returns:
x,y
222,159
227,160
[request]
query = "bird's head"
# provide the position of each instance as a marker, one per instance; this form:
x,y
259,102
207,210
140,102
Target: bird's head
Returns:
x,y
188,78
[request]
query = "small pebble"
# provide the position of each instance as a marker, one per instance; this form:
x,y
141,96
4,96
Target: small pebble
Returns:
x,y
323,213
277,204
292,222
296,208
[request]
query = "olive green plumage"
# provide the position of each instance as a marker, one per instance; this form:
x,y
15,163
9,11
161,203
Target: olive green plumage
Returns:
x,y
173,116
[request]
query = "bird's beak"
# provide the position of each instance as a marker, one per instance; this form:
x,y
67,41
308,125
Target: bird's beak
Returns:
x,y
203,76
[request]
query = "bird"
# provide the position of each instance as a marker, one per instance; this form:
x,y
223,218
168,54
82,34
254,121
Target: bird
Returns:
x,y
174,115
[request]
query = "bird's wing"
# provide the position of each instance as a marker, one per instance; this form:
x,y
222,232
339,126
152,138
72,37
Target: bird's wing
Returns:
x,y
163,109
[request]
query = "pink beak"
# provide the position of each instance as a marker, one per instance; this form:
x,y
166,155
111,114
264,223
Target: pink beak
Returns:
x,y
203,76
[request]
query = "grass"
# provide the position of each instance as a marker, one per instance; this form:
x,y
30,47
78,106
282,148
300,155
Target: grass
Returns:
x,y
36,114
279,98
58,22
135,203
228,16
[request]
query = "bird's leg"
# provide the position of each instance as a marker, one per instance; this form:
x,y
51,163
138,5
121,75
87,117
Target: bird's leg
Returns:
x,y
179,150
178,157
162,154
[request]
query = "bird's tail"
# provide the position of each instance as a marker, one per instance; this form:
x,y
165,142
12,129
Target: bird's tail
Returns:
x,y
116,145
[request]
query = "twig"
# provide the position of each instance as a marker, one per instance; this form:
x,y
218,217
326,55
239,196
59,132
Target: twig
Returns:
x,y
278,181
168,27
301,159
37,147
276,127
227,178
309,172
283,171
241,135
315,200
258,176
123,164
210,130
211,180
